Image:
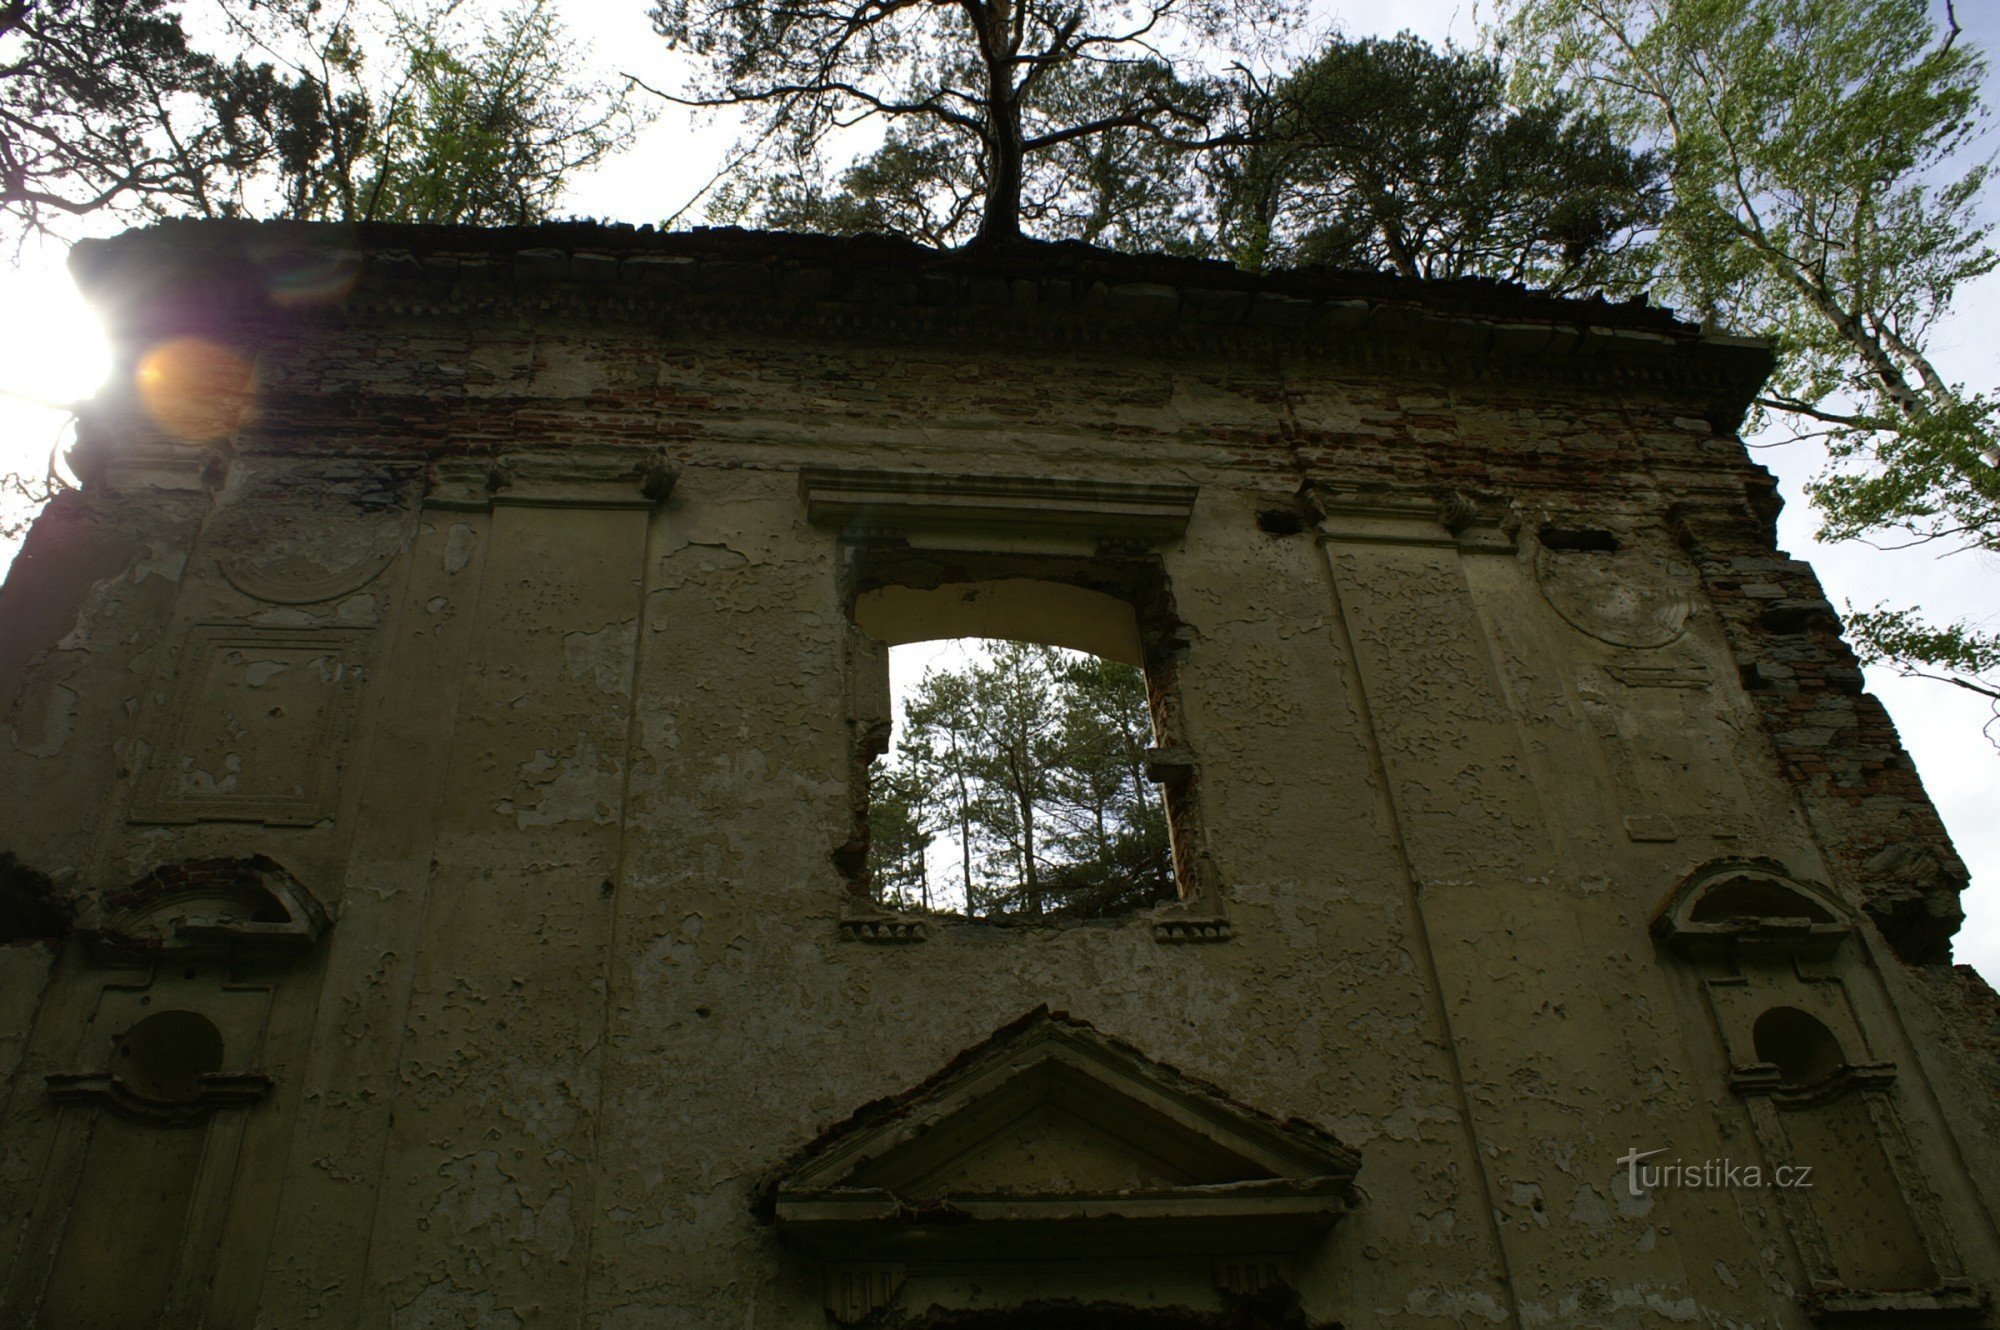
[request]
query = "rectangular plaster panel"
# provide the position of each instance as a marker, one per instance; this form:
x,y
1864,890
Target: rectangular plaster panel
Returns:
x,y
257,729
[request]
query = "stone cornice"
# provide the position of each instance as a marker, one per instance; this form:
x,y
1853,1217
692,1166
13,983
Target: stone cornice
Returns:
x,y
241,279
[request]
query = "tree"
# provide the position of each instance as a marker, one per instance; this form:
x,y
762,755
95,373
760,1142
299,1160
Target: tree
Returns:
x,y
1372,154
899,805
1822,197
105,106
1013,80
1390,154
1128,188
1032,760
926,190
1112,829
472,124
1958,654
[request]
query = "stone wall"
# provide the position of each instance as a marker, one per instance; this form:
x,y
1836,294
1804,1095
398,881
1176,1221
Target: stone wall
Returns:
x,y
443,701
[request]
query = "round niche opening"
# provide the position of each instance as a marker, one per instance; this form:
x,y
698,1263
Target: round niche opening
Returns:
x,y
165,1055
1803,1050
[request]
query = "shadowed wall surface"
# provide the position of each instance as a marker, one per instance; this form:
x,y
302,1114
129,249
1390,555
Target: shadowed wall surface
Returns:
x,y
438,734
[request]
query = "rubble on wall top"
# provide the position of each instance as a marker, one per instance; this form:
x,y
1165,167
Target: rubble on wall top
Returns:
x,y
868,266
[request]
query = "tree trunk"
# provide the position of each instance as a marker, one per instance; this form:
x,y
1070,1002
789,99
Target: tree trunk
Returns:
x,y
1000,223
1031,884
964,819
1006,154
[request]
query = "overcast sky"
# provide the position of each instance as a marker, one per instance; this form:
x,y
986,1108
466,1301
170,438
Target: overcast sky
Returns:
x,y
49,348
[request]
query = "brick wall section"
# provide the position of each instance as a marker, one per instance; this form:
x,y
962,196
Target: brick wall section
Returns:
x,y
1837,745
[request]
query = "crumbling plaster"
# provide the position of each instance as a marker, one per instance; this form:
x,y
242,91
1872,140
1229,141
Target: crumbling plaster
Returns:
x,y
493,612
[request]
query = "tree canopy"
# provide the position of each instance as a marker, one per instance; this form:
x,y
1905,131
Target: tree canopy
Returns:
x,y
1018,791
105,104
1124,187
1013,84
1371,154
1390,154
466,122
320,111
1824,185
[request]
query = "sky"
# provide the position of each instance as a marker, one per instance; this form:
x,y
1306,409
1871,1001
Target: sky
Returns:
x,y
51,349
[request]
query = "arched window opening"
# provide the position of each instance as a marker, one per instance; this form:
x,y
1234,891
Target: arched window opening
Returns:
x,y
1802,1049
1016,787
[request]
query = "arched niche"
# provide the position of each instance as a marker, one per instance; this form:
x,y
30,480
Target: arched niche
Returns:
x,y
190,983
1016,609
167,1068
1799,1045
1787,995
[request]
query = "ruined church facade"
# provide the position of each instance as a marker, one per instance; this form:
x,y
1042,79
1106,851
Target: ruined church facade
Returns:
x,y
436,739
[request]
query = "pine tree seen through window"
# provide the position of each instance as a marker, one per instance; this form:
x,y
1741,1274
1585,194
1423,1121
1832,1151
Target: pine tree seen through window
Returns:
x,y
1016,790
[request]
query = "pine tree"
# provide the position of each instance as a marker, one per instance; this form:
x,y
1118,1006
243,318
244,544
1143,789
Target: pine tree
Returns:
x,y
1030,763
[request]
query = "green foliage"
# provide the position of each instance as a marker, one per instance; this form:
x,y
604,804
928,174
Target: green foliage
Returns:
x,y
1031,764
107,106
897,839
1052,109
1373,154
1824,186
1391,154
472,124
1958,654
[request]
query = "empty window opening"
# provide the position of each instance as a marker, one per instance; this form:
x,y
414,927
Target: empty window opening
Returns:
x,y
1016,787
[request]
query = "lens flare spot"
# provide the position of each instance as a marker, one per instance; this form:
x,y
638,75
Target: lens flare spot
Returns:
x,y
193,388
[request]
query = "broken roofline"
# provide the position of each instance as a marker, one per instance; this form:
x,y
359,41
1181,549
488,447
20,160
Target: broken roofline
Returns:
x,y
211,276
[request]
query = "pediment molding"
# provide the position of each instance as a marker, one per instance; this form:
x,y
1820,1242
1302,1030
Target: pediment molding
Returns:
x,y
243,907
1751,903
1051,1138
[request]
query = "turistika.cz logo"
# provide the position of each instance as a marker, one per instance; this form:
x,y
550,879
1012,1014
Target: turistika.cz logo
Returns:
x,y
1706,1174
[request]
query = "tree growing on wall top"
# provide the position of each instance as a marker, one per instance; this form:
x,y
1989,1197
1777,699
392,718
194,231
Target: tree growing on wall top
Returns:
x,y
104,105
1384,154
1015,80
1391,154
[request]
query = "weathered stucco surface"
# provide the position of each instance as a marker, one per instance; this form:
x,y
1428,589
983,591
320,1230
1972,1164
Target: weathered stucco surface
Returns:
x,y
447,688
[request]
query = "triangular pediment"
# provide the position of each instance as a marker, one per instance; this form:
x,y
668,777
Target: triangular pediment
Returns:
x,y
1050,1131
